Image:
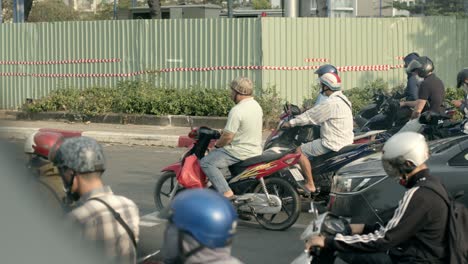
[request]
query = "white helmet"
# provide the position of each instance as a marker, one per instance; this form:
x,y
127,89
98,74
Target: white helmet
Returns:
x,y
28,144
402,148
331,80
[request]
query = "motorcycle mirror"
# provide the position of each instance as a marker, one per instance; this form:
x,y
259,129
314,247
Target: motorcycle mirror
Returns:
x,y
190,121
313,210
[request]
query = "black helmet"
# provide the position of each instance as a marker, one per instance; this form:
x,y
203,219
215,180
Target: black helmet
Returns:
x,y
462,76
326,68
423,66
410,57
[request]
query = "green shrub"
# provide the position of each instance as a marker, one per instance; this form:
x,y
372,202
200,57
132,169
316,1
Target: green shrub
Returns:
x,y
140,97
271,104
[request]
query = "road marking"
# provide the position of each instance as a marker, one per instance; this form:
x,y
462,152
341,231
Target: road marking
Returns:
x,y
148,224
152,219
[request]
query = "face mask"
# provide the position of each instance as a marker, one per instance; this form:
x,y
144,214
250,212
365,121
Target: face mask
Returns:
x,y
465,88
419,79
67,185
394,173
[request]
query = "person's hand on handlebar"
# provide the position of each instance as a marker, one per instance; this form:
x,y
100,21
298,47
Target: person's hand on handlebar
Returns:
x,y
285,125
315,241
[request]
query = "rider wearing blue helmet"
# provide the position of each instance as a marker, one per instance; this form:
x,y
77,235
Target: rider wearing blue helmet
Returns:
x,y
202,224
326,68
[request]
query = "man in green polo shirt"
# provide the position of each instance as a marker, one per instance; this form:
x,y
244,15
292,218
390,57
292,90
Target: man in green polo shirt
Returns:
x,y
241,138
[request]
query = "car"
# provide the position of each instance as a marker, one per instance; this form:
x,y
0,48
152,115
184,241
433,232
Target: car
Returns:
x,y
363,193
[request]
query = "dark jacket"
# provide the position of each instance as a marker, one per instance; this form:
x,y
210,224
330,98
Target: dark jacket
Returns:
x,y
415,234
412,88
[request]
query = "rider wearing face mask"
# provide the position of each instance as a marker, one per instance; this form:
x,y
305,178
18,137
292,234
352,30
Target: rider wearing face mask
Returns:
x,y
412,88
241,137
81,163
335,118
417,231
326,68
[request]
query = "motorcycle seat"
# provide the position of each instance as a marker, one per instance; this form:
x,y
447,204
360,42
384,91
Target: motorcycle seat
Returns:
x,y
331,154
266,156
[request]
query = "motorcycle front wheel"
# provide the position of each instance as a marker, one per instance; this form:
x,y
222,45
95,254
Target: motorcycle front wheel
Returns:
x,y
164,188
290,207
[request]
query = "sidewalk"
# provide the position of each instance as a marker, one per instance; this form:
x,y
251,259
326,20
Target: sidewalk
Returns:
x,y
168,136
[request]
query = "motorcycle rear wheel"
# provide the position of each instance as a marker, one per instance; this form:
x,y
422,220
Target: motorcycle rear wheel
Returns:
x,y
163,188
290,207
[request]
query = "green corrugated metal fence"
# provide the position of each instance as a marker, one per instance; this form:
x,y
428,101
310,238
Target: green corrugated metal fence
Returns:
x,y
148,45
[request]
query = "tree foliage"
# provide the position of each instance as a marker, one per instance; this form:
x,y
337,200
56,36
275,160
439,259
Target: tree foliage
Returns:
x,y
435,7
52,10
261,4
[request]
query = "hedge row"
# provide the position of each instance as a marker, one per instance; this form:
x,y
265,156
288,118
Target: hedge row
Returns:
x,y
137,97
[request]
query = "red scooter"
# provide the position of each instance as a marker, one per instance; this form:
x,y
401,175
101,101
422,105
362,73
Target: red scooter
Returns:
x,y
265,185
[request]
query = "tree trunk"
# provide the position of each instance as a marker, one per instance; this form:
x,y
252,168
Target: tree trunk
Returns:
x,y
155,8
27,8
322,8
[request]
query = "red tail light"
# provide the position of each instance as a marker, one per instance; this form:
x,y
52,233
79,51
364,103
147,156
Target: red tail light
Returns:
x,y
331,202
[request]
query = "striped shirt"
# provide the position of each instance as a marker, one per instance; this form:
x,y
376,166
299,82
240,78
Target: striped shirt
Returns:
x,y
335,119
98,224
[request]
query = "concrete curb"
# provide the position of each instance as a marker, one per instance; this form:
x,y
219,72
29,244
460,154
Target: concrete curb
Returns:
x,y
169,120
21,133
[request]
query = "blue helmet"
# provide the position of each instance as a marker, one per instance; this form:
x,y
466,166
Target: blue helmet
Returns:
x,y
326,68
206,215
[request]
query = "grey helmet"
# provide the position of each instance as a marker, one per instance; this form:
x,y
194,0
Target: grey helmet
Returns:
x,y
81,154
423,66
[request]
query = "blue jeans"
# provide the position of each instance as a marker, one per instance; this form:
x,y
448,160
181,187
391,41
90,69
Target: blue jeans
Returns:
x,y
212,163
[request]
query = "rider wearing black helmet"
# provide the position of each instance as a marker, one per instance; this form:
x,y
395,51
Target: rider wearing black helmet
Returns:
x,y
431,92
412,84
462,82
326,68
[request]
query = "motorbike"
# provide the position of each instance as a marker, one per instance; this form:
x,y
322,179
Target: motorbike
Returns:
x,y
390,116
323,224
296,136
264,188
324,166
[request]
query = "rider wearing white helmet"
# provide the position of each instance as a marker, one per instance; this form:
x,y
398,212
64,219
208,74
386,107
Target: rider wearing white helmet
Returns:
x,y
335,118
417,231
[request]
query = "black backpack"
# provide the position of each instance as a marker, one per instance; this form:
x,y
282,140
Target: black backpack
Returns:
x,y
457,227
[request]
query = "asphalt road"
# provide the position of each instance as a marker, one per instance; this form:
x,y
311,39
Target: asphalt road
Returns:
x,y
133,171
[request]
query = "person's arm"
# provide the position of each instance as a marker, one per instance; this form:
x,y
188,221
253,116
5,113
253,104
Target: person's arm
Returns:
x,y
314,116
229,131
409,218
418,108
225,139
412,89
408,103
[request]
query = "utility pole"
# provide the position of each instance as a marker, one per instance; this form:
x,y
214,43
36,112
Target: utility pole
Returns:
x,y
18,11
229,7
380,9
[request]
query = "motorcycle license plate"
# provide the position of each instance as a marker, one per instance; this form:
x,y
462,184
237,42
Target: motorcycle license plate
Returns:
x,y
296,174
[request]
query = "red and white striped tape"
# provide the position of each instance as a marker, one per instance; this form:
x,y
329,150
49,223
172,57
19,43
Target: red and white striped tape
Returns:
x,y
52,62
399,57
316,60
384,67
